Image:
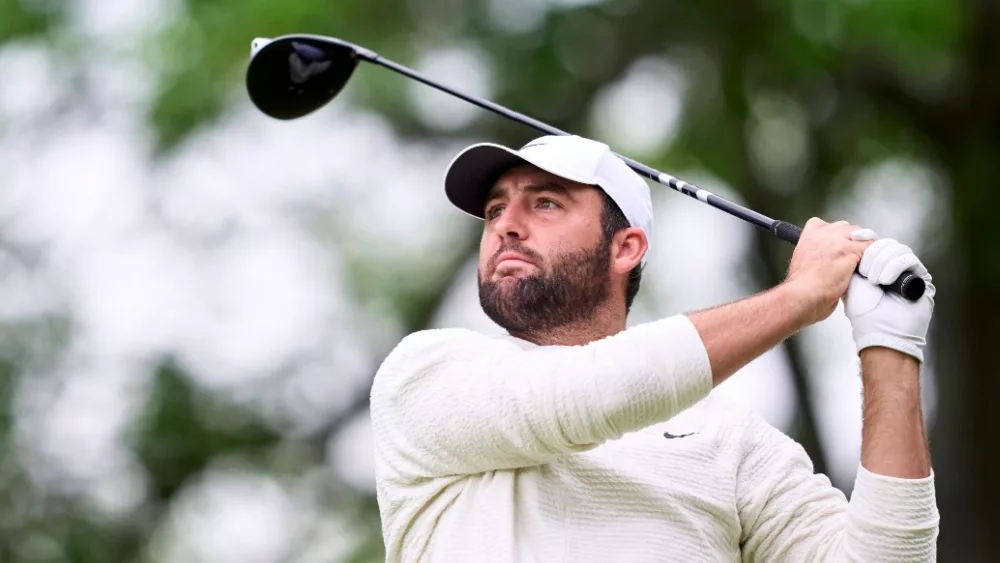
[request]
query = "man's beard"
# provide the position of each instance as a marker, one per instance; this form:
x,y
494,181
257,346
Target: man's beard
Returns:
x,y
568,292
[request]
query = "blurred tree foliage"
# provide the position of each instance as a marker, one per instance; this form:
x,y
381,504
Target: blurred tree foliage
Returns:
x,y
874,80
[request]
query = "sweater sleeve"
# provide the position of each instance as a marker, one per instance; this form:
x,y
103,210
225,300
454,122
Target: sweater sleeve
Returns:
x,y
448,402
788,513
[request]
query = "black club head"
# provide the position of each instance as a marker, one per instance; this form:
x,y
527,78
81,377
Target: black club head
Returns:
x,y
294,75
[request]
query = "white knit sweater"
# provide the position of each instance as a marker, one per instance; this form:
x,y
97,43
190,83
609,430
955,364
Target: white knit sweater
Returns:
x,y
492,449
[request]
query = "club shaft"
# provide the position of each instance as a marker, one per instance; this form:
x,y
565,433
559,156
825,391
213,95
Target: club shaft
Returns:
x,y
681,186
485,104
908,284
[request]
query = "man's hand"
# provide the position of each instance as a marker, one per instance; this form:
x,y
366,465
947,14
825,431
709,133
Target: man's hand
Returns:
x,y
823,262
820,271
885,319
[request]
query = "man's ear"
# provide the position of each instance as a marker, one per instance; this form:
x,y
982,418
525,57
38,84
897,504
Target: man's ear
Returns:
x,y
629,246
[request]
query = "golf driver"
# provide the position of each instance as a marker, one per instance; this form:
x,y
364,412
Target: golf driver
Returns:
x,y
294,75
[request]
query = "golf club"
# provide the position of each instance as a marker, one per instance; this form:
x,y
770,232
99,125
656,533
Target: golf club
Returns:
x,y
294,75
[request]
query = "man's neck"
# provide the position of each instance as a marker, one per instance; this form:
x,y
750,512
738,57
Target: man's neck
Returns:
x,y
605,322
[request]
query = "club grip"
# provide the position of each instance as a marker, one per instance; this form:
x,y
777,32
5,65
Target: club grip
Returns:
x,y
908,284
786,231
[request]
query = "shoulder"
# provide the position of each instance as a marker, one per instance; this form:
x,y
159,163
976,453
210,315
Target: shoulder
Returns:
x,y
428,351
424,346
421,344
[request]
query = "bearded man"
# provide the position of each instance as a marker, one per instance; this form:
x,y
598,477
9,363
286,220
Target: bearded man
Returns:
x,y
574,438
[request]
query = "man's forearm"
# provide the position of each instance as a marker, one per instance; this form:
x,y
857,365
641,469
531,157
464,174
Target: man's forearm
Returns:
x,y
893,440
736,333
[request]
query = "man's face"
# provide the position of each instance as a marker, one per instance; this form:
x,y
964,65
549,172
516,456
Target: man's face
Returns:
x,y
543,262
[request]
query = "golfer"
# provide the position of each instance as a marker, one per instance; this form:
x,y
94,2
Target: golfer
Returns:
x,y
572,438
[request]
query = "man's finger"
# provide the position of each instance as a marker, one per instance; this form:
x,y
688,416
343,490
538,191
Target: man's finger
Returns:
x,y
884,258
870,255
858,248
864,234
813,223
896,266
841,226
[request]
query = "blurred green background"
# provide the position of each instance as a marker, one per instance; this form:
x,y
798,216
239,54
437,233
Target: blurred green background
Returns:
x,y
195,297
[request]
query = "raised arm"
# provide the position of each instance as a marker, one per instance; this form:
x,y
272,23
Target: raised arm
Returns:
x,y
453,402
890,333
790,514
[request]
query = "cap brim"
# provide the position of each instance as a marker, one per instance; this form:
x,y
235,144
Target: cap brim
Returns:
x,y
472,173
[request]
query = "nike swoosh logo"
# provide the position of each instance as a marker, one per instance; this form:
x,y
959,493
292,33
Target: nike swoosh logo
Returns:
x,y
670,436
536,143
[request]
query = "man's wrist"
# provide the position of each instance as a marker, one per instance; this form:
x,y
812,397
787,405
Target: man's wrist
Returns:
x,y
880,364
878,340
794,297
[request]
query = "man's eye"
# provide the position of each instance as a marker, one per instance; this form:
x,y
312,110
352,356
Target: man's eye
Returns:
x,y
547,204
494,212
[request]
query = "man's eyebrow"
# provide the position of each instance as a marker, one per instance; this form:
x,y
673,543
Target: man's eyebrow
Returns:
x,y
496,192
553,187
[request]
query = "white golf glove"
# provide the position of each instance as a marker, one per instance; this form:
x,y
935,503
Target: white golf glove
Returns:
x,y
886,319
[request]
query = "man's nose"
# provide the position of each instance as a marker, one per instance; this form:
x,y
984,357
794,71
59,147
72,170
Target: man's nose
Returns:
x,y
510,224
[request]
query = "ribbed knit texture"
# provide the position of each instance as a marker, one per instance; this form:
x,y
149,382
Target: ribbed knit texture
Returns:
x,y
492,449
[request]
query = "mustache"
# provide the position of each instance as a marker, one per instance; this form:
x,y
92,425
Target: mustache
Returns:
x,y
517,247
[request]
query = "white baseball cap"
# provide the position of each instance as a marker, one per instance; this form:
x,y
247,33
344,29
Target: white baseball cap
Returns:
x,y
473,172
